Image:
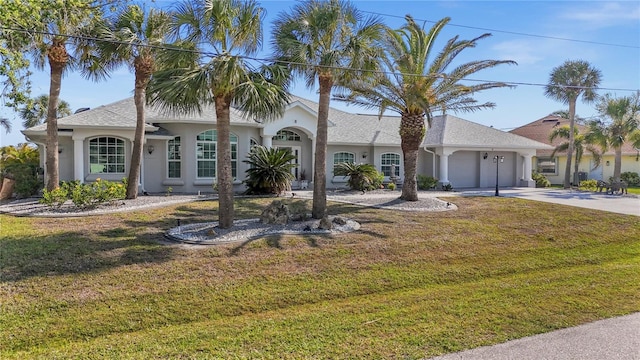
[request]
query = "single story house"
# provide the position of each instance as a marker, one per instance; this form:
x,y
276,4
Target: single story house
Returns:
x,y
180,151
553,167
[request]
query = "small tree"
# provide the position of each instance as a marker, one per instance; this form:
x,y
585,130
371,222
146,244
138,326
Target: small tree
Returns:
x,y
269,170
362,177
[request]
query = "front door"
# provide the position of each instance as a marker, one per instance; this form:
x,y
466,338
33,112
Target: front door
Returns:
x,y
295,150
595,174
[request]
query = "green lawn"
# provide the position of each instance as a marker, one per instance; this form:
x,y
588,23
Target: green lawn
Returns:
x,y
407,285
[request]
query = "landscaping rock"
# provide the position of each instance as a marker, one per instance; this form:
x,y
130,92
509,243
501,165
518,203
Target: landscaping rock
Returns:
x,y
325,223
277,213
339,220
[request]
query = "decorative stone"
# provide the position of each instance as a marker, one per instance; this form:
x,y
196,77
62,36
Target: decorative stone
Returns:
x,y
339,220
277,213
325,223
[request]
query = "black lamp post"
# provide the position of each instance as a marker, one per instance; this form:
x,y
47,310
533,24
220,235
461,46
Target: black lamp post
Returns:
x,y
497,159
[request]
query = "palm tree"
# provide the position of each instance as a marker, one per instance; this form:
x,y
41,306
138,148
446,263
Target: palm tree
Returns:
x,y
233,30
132,37
61,24
327,42
581,142
567,82
414,87
269,170
35,112
623,125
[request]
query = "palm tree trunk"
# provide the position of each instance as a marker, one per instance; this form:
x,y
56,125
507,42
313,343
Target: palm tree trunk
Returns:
x,y
58,58
570,149
617,164
412,130
319,207
223,162
143,68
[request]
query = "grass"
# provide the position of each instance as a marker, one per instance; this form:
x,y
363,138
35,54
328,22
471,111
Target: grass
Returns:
x,y
408,285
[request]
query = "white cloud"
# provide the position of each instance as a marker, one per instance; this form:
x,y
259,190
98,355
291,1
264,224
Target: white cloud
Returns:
x,y
522,52
605,14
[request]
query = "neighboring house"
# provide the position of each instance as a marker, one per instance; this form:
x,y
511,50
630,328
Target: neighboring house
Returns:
x,y
553,168
180,151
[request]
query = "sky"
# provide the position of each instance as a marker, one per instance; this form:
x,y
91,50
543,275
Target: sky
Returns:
x,y
538,35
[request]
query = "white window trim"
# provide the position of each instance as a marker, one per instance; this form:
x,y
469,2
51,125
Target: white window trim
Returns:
x,y
124,146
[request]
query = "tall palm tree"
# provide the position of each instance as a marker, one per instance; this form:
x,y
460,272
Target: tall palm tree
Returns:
x,y
567,82
61,41
35,112
327,42
582,142
232,29
417,82
622,126
132,37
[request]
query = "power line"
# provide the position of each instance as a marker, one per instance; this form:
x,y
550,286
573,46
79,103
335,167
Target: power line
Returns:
x,y
271,60
512,32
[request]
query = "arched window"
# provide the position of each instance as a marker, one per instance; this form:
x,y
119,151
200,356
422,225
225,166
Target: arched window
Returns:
x,y
206,145
386,162
341,157
253,142
106,156
174,160
286,135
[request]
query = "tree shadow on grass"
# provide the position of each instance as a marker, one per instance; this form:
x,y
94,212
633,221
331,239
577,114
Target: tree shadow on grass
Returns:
x,y
77,253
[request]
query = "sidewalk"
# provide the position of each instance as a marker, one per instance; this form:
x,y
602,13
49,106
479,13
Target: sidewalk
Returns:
x,y
612,339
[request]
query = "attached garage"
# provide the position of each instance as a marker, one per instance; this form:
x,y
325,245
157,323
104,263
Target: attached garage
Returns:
x,y
466,172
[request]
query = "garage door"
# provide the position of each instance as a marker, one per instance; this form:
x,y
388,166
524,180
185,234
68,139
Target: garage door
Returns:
x,y
463,169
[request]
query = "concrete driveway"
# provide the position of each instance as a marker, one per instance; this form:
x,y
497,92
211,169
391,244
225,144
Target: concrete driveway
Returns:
x,y
627,204
617,338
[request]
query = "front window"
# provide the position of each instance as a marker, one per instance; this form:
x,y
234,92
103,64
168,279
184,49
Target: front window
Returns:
x,y
547,166
286,135
343,157
173,158
388,162
206,145
106,156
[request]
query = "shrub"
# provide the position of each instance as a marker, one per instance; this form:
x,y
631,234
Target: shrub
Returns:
x,y
588,185
269,170
426,182
540,179
363,177
391,186
21,163
84,195
631,178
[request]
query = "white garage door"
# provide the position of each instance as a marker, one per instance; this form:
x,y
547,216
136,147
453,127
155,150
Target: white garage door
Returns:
x,y
464,169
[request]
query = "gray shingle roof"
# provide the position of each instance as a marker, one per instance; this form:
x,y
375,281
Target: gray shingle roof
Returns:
x,y
452,131
344,127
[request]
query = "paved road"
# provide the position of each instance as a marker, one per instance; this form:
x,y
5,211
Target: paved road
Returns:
x,y
627,204
611,339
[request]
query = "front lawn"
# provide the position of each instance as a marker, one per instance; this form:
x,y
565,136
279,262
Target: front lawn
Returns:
x,y
407,285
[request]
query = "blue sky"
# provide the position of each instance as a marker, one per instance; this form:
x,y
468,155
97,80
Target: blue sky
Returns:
x,y
527,32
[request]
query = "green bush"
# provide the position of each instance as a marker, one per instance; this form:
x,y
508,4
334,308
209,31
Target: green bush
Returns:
x,y
391,186
363,177
540,179
21,163
269,170
426,182
85,195
588,185
631,178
